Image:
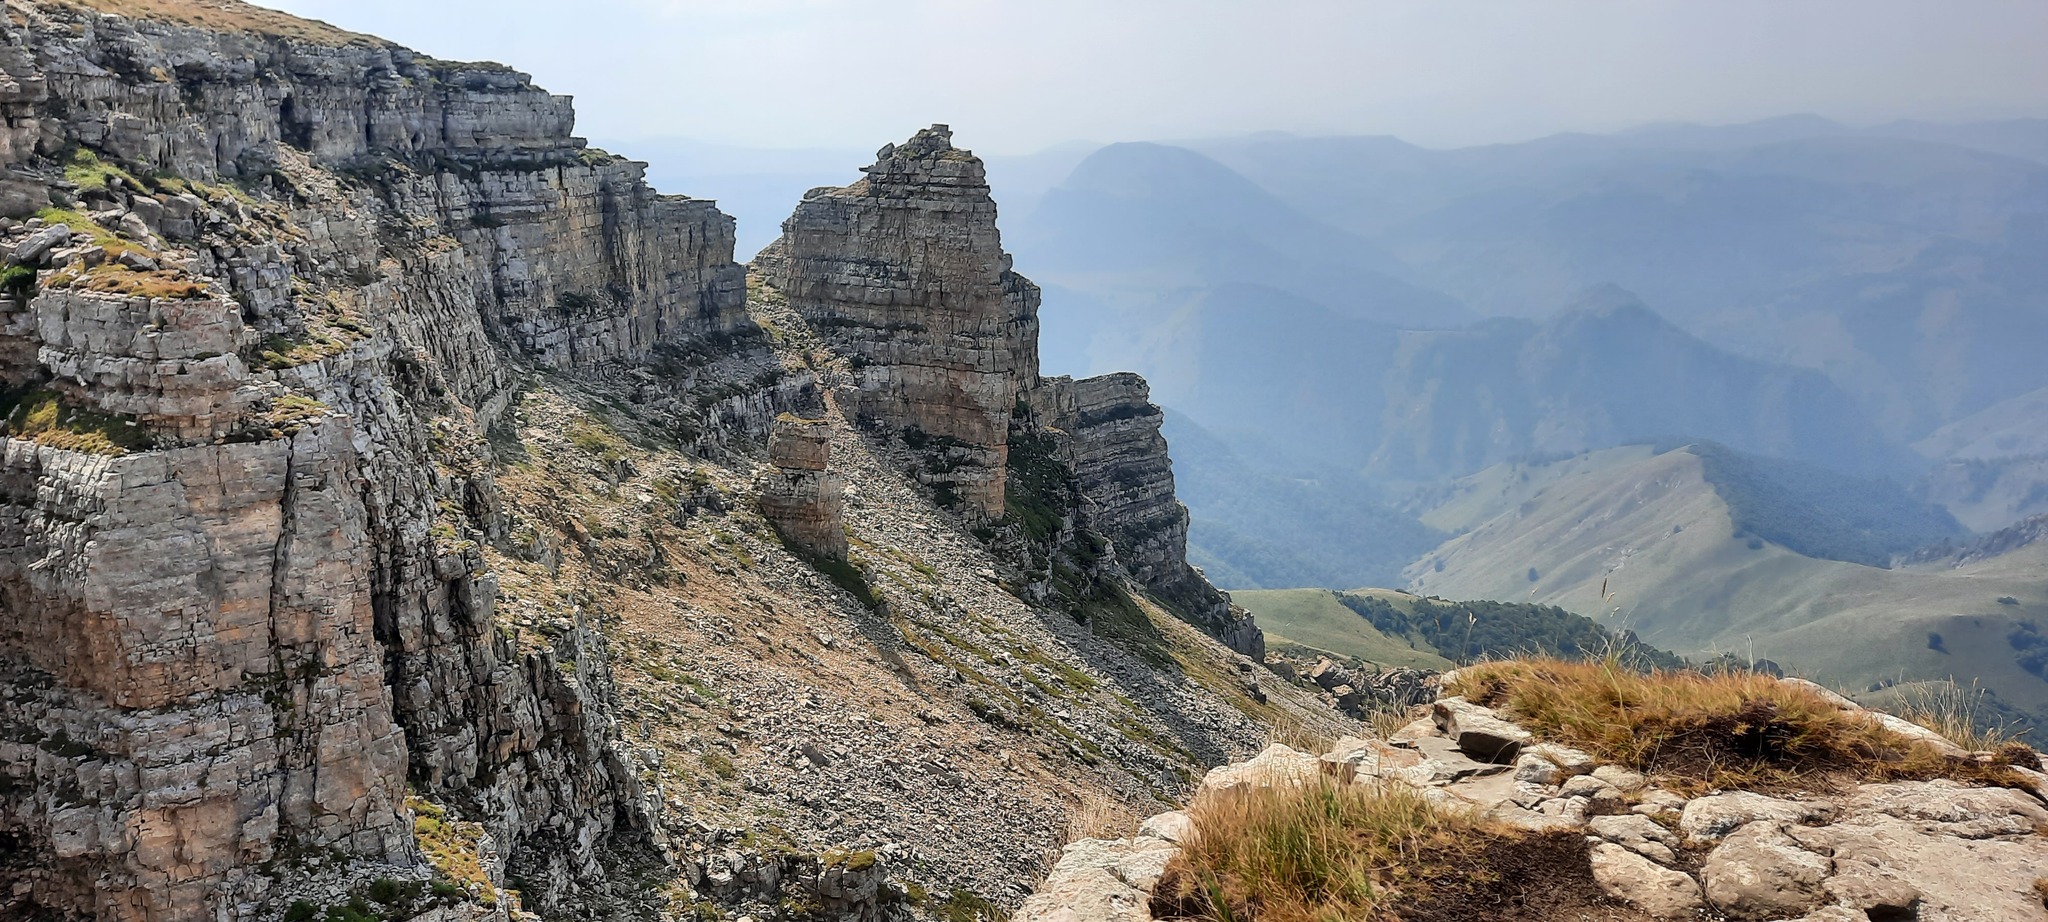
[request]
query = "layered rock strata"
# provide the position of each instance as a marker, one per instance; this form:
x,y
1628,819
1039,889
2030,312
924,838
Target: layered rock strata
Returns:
x,y
1120,462
799,495
905,273
242,604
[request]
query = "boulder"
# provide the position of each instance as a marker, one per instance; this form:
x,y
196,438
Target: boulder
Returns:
x,y
1568,760
1100,880
1759,873
1621,779
30,252
1172,826
1638,834
1657,890
1277,765
1708,819
1480,732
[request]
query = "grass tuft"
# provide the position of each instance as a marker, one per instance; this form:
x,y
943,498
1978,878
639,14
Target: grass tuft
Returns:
x,y
1318,851
1731,730
1958,713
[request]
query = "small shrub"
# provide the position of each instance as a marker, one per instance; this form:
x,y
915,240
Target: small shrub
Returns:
x,y
1935,643
721,766
969,906
301,911
2007,600
387,891
18,282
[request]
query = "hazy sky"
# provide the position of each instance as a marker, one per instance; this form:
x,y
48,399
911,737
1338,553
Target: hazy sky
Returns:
x,y
1018,75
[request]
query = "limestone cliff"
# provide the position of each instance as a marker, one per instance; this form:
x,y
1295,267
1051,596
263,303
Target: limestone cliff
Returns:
x,y
388,498
904,272
217,624
1121,463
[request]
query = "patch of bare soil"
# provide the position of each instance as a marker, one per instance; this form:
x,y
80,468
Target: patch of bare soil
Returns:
x,y
1529,878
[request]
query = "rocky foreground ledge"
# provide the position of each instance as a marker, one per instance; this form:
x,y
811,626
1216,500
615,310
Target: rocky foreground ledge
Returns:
x,y
1933,849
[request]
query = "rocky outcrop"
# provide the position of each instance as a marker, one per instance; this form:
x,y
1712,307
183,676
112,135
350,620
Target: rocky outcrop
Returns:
x,y
1936,850
192,683
278,302
242,601
800,496
904,272
1120,463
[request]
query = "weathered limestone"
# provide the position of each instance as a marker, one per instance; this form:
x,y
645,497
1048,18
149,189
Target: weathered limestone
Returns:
x,y
187,648
1936,850
1120,460
169,362
1657,890
1478,730
251,637
904,271
799,495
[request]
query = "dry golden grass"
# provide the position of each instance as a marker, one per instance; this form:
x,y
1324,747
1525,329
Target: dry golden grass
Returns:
x,y
228,16
1094,814
121,280
1320,851
1957,713
1708,731
1294,734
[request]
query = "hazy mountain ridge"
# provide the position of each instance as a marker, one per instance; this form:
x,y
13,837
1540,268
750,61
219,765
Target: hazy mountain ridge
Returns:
x,y
1648,542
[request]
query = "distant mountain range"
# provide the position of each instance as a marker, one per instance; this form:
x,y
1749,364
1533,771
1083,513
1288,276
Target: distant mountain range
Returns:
x,y
1737,375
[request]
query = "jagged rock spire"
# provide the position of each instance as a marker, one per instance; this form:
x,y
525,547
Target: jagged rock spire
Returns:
x,y
905,270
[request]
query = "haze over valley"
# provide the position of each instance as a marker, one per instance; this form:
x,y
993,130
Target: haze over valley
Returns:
x,y
718,461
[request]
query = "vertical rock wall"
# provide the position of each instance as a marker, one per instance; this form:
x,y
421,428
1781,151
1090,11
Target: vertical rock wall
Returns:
x,y
237,643
1120,460
905,272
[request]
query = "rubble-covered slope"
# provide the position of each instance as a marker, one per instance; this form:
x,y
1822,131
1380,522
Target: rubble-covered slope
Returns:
x,y
381,519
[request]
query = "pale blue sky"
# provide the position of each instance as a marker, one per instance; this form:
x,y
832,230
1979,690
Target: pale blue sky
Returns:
x,y
1018,75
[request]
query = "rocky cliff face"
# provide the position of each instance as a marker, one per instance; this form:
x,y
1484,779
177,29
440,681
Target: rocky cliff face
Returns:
x,y
383,497
905,271
218,621
1121,465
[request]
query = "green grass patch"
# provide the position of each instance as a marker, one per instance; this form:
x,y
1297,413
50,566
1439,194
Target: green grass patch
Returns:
x,y
44,417
85,169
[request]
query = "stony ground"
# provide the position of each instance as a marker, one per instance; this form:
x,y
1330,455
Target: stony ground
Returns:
x,y
1935,850
954,730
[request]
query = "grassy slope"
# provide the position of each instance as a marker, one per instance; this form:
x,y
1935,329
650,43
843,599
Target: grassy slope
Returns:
x,y
1314,618
1659,538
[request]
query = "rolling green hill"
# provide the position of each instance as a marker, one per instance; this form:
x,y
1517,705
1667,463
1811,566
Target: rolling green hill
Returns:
x,y
1650,544
1395,628
1319,620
